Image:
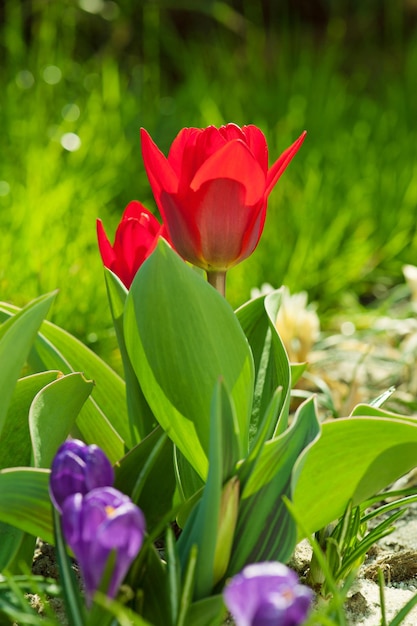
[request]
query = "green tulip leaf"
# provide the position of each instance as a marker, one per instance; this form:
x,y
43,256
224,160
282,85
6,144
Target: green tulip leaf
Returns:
x,y
17,335
272,369
53,413
103,419
207,612
11,539
353,460
265,528
15,443
182,336
25,501
16,450
141,419
146,470
201,528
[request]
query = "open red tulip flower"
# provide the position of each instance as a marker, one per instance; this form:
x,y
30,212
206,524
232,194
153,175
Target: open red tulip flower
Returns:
x,y
212,191
136,237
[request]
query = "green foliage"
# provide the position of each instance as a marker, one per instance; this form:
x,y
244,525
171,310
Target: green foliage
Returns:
x,y
13,599
328,464
350,195
182,304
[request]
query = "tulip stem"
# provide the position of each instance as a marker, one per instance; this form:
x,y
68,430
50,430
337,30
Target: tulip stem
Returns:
x,y
218,281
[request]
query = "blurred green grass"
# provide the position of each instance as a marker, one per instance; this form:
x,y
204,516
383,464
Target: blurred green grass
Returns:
x,y
79,79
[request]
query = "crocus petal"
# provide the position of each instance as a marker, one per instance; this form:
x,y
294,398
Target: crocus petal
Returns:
x,y
277,169
78,468
265,594
94,525
235,162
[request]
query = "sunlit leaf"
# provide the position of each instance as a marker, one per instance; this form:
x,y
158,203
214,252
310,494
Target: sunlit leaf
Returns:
x,y
181,337
141,419
147,470
17,335
353,459
103,419
272,369
25,501
265,529
53,413
15,443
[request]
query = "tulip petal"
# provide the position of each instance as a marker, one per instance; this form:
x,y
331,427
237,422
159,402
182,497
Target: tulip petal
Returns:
x,y
191,148
223,222
277,169
106,250
234,162
257,144
160,172
136,238
136,210
182,148
232,131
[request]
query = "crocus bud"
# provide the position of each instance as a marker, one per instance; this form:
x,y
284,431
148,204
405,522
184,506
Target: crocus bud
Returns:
x,y
95,525
78,468
136,238
267,594
212,191
229,507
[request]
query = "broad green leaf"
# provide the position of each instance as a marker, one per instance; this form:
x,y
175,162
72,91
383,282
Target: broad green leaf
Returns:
x,y
25,501
15,444
354,459
187,479
149,575
280,359
201,528
297,370
53,413
141,419
17,335
265,529
103,419
15,450
272,369
370,410
181,336
145,471
10,541
208,612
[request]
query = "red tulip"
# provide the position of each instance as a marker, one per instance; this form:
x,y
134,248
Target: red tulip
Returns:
x,y
212,191
136,237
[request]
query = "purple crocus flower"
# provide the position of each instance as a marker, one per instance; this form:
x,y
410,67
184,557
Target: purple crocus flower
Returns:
x,y
78,468
94,525
267,594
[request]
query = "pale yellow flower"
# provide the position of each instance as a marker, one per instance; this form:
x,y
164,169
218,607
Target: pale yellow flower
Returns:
x,y
298,325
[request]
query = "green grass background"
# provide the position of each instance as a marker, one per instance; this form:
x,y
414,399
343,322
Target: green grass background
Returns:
x,y
341,220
